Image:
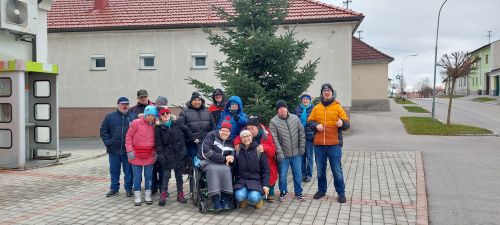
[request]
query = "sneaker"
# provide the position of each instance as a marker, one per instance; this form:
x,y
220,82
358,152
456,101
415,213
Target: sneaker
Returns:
x,y
300,197
270,199
307,179
342,199
111,193
129,193
282,196
319,195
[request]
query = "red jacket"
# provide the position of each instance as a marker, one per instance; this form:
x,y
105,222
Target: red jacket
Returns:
x,y
140,139
270,151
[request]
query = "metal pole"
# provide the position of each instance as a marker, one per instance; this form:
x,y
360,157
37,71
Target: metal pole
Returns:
x,y
402,73
435,65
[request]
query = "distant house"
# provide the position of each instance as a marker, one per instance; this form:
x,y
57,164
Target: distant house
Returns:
x,y
484,80
369,77
113,49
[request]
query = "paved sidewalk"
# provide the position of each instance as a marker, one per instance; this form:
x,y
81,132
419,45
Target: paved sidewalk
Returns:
x,y
382,188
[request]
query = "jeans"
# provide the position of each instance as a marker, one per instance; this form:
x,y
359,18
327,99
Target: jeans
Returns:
x,y
243,194
308,160
118,161
296,163
167,173
157,176
334,155
148,176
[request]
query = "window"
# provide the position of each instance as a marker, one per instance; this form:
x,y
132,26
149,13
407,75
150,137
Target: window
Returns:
x,y
5,113
5,87
199,60
486,59
5,138
147,61
98,62
42,112
42,135
42,89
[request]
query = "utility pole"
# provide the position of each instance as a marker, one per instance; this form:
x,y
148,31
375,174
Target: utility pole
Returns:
x,y
347,3
359,34
489,36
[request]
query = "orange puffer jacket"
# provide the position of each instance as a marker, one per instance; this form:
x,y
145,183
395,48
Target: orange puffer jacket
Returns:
x,y
328,116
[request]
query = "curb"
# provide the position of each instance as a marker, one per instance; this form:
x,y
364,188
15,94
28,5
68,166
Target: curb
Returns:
x,y
493,134
63,162
422,210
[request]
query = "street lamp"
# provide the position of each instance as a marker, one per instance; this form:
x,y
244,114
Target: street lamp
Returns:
x,y
402,75
435,65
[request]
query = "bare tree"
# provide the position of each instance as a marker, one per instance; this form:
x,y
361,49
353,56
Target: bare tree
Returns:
x,y
424,88
456,65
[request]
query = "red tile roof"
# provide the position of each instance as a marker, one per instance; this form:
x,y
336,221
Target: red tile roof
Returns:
x,y
363,52
80,15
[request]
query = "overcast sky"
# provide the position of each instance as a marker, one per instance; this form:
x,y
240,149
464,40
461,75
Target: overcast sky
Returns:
x,y
404,27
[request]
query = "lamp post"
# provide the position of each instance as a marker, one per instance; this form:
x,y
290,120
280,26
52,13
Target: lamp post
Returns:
x,y
402,75
435,65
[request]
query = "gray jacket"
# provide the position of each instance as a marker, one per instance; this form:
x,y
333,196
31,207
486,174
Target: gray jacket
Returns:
x,y
289,136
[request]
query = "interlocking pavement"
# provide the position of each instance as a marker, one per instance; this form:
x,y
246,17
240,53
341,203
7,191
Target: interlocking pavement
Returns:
x,y
381,188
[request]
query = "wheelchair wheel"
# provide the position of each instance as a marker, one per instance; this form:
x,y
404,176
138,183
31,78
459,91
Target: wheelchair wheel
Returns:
x,y
202,207
193,182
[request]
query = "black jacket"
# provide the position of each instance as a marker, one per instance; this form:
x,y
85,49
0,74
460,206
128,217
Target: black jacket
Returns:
x,y
170,144
113,130
199,121
215,149
309,133
139,108
251,170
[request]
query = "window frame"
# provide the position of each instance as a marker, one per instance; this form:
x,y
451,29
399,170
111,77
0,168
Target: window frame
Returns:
x,y
195,55
34,111
35,136
10,82
142,56
93,66
10,121
11,139
34,89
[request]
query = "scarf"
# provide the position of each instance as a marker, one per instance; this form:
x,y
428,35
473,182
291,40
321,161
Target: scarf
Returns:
x,y
303,117
258,138
327,103
168,123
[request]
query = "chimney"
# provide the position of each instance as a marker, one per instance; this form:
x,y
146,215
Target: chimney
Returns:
x,y
100,4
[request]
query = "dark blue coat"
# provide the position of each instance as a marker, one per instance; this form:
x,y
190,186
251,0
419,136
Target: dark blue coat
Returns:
x,y
114,127
251,170
227,116
309,132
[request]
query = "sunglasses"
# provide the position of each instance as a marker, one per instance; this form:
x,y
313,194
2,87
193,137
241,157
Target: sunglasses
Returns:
x,y
164,114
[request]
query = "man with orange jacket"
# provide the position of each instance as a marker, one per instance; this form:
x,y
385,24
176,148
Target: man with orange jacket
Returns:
x,y
328,119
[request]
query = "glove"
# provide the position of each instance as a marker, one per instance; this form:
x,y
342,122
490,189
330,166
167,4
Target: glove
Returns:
x,y
236,117
280,157
130,156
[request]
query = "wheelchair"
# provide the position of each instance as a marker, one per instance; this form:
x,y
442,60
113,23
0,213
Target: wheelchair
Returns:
x,y
198,187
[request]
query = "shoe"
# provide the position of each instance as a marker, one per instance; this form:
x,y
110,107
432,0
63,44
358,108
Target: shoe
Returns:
x,y
137,199
216,202
282,196
300,197
319,195
154,191
129,193
342,199
111,193
163,198
243,204
147,197
270,199
307,179
259,204
226,203
180,197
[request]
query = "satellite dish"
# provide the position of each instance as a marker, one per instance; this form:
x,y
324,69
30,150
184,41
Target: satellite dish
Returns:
x,y
16,12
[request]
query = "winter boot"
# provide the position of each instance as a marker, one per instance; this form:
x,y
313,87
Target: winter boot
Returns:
x,y
180,197
163,198
137,199
147,197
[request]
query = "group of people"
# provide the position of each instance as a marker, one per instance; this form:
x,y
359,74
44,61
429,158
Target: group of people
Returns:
x,y
241,157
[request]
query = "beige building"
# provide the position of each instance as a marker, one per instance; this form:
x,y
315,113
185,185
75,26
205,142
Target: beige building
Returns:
x,y
370,69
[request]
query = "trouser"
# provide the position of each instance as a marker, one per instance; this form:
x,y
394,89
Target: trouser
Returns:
x,y
117,162
332,153
167,173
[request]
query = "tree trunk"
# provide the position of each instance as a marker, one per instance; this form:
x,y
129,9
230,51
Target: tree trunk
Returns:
x,y
449,103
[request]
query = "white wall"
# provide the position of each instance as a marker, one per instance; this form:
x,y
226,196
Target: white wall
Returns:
x,y
80,87
10,49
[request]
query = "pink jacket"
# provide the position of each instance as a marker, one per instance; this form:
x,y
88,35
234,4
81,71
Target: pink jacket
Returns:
x,y
141,140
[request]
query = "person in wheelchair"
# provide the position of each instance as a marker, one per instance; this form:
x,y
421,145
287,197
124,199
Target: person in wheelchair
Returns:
x,y
251,172
216,155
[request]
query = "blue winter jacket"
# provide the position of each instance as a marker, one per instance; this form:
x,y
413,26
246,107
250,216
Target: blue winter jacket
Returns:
x,y
307,129
114,127
226,116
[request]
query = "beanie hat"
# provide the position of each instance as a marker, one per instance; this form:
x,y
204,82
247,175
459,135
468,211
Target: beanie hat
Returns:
x,y
195,95
161,100
163,110
226,125
253,121
326,86
151,110
306,95
281,103
122,100
245,133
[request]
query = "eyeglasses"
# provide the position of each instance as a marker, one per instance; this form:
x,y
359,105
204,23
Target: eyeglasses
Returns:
x,y
327,90
164,114
246,136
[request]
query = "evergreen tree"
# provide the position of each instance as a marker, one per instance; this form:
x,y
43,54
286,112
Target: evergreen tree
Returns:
x,y
261,67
